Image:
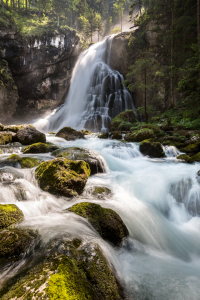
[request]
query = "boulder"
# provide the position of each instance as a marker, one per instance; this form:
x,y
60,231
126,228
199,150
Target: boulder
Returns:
x,y
117,136
70,134
16,128
152,149
183,157
106,221
40,148
16,242
9,214
16,161
63,177
139,135
123,121
89,156
190,159
70,270
28,136
192,148
104,135
101,191
6,137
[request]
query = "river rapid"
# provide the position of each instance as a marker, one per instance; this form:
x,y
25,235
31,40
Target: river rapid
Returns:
x,y
159,201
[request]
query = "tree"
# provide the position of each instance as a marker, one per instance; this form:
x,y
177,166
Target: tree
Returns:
x,y
99,25
90,23
119,8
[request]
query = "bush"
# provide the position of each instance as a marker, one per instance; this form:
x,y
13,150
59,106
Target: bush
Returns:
x,y
125,126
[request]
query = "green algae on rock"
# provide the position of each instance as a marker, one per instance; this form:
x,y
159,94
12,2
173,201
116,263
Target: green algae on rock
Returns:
x,y
63,177
192,148
71,270
15,242
9,214
5,137
140,135
16,128
23,162
101,190
70,134
117,136
40,148
89,156
104,135
183,157
152,149
106,221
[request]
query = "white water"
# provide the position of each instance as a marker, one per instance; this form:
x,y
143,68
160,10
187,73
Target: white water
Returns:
x,y
96,94
159,201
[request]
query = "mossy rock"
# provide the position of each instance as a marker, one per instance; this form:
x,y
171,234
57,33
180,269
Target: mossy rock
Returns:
x,y
5,137
16,161
63,177
100,190
117,136
106,221
75,153
9,214
86,132
70,134
15,242
152,149
40,148
192,148
123,121
183,157
29,135
140,135
71,270
16,128
194,158
104,135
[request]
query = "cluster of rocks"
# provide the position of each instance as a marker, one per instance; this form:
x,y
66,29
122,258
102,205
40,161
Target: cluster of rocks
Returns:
x,y
80,268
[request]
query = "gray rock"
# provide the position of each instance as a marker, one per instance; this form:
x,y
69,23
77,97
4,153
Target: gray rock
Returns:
x,y
28,136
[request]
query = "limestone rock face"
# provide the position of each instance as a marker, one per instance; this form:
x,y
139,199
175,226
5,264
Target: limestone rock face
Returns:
x,y
119,54
29,136
41,68
106,221
63,177
8,92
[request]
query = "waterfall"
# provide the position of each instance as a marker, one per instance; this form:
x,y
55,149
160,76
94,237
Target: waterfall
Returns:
x,y
96,94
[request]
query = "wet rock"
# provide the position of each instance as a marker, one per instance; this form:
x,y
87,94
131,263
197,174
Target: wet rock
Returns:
x,y
100,190
104,135
70,270
194,158
6,177
28,136
16,242
198,176
40,148
9,214
117,136
152,149
70,134
139,135
106,221
192,148
16,161
6,137
123,121
183,157
63,177
86,132
89,156
16,128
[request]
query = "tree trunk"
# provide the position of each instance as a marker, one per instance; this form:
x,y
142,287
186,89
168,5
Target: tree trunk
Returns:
x,y
39,9
13,4
198,22
145,95
71,19
172,53
58,20
18,6
53,13
2,5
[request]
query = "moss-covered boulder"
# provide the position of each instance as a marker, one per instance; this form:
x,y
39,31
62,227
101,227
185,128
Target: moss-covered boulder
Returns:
x,y
124,121
70,134
28,136
71,270
16,242
152,149
5,137
106,221
183,157
192,148
194,158
16,161
16,128
104,135
9,214
63,177
40,148
117,136
140,135
100,190
86,132
89,156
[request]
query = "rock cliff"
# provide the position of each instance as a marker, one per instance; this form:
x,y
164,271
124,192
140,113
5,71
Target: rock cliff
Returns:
x,y
41,69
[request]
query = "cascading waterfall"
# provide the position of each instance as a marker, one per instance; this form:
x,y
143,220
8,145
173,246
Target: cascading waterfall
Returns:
x,y
96,94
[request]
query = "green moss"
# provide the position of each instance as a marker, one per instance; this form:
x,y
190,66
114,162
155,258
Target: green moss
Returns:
x,y
14,242
116,136
192,148
63,177
106,221
103,135
124,121
184,157
40,148
101,190
5,138
152,149
25,162
194,158
140,135
9,215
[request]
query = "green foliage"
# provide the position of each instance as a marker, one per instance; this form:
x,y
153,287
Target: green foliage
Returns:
x,y
116,30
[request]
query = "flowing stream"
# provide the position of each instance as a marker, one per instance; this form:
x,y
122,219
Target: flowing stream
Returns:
x,y
95,96
159,201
